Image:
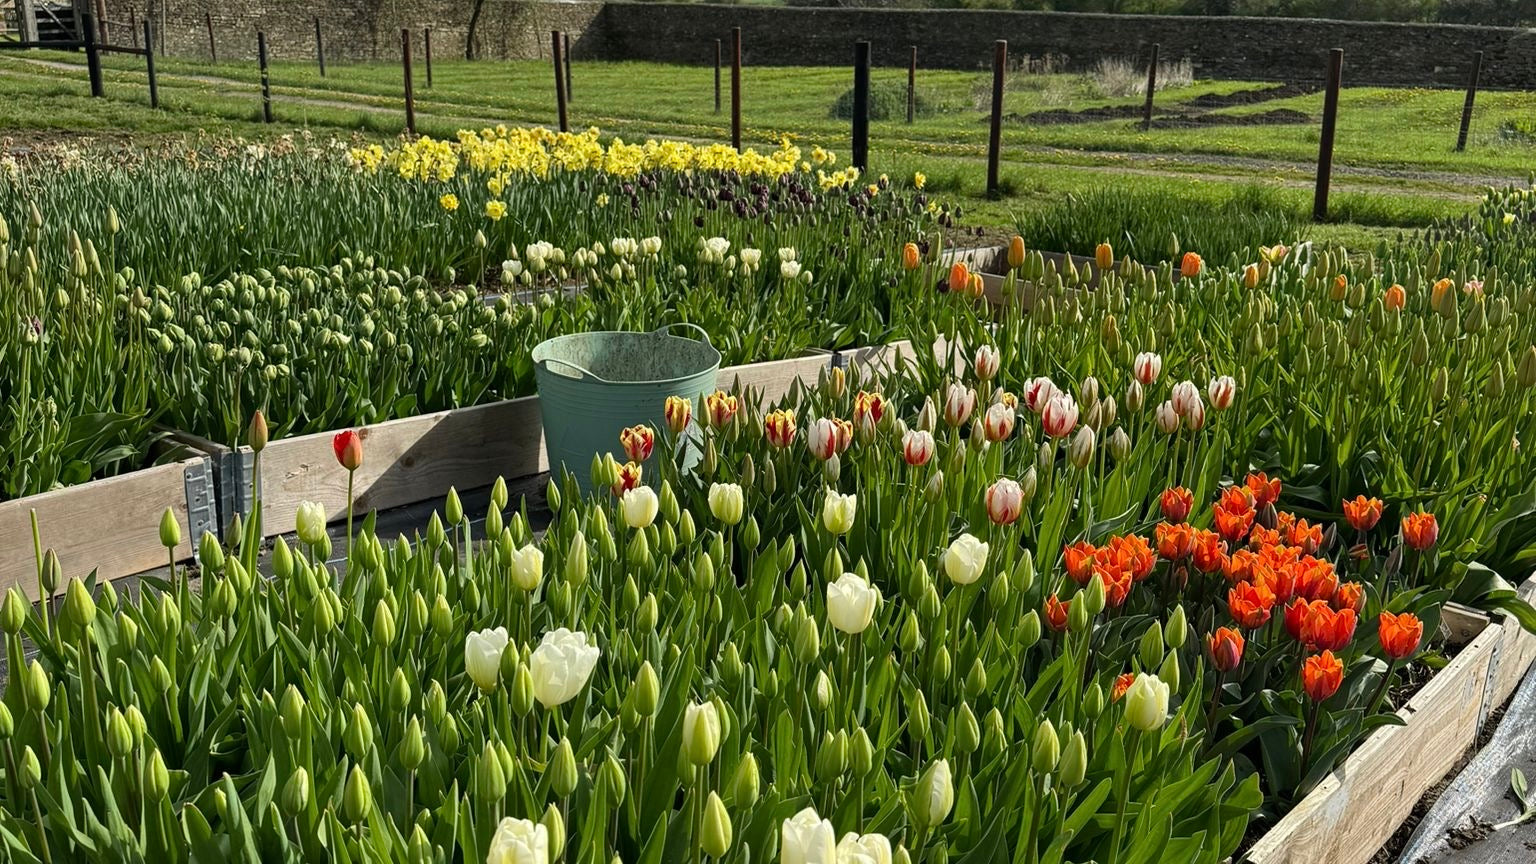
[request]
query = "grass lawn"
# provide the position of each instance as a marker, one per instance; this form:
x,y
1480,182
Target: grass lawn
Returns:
x,y
1396,166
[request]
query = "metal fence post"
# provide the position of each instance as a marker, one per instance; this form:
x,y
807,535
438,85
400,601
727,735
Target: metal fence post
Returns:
x,y
556,52
1466,109
1325,145
319,46
912,86
266,79
736,87
410,95
1146,120
213,49
719,59
861,105
149,65
426,44
92,54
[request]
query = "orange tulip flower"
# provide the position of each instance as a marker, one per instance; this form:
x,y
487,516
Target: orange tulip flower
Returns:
x,y
911,257
1395,298
1251,276
1399,634
1078,561
1175,541
959,277
1321,676
976,286
1420,530
1316,579
1238,567
1350,595
1176,503
1325,629
1122,684
1263,489
1056,613
1226,647
1234,513
1437,293
1296,618
1016,252
1117,584
1210,552
1304,535
1190,265
1363,513
1104,256
1249,604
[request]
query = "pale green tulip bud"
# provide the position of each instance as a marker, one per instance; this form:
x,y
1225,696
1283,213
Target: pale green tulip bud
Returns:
x,y
704,572
668,502
701,732
807,637
119,736
13,613
822,691
292,713
448,734
127,632
1047,749
1074,762
554,827
831,756
730,666
1028,631
436,702
1078,617
717,828
1176,630
156,780
1151,651
522,690
170,530
359,733
383,625
976,679
909,636
441,617
1169,671
420,849
357,798
687,532
399,691
861,753
917,716
562,769
967,730
36,689
610,778
282,560
941,663
295,797
499,493
902,856
745,785
1094,597
79,607
414,748
646,690
490,780
934,489
631,594
933,796
453,508
210,555
993,736
577,566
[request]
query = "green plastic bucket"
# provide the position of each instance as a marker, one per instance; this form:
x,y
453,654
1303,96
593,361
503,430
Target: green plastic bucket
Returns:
x,y
593,385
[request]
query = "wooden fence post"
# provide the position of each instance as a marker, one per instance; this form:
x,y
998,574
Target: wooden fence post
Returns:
x,y
1466,109
719,57
426,44
149,65
1325,145
912,86
995,140
266,79
92,54
1146,120
736,87
213,48
861,105
555,49
319,46
410,95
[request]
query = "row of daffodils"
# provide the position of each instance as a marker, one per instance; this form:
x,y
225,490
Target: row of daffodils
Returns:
x,y
957,611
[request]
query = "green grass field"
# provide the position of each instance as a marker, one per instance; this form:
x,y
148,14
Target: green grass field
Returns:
x,y
1396,166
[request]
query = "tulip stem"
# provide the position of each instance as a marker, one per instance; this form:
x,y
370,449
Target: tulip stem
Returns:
x,y
42,832
1381,690
1210,715
1132,745
1032,850
1306,738
351,475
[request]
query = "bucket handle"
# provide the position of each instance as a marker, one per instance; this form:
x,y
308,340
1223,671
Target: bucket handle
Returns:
x,y
582,371
666,330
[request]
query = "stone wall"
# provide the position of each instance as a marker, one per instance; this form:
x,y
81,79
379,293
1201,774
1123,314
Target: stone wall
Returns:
x,y
352,29
1261,49
1268,49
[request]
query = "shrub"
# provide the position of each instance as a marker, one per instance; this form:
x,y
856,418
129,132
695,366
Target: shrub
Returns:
x,y
887,101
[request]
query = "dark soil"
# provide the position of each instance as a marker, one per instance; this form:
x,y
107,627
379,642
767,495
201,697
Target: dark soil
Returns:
x,y
1249,97
1061,116
1275,117
1461,837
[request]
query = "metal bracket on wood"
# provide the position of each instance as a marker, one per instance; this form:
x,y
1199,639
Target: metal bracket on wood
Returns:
x,y
233,480
1489,683
839,360
202,500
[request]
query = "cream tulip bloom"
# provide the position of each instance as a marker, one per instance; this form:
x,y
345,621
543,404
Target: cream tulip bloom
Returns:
x,y
519,841
965,559
851,603
726,502
864,849
806,838
528,567
1146,703
639,506
837,511
482,656
561,666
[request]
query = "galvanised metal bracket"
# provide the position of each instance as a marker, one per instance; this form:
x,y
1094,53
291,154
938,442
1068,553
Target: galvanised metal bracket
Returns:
x,y
234,484
202,500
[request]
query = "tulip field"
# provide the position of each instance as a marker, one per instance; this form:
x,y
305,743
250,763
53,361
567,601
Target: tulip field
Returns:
x,y
1103,560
